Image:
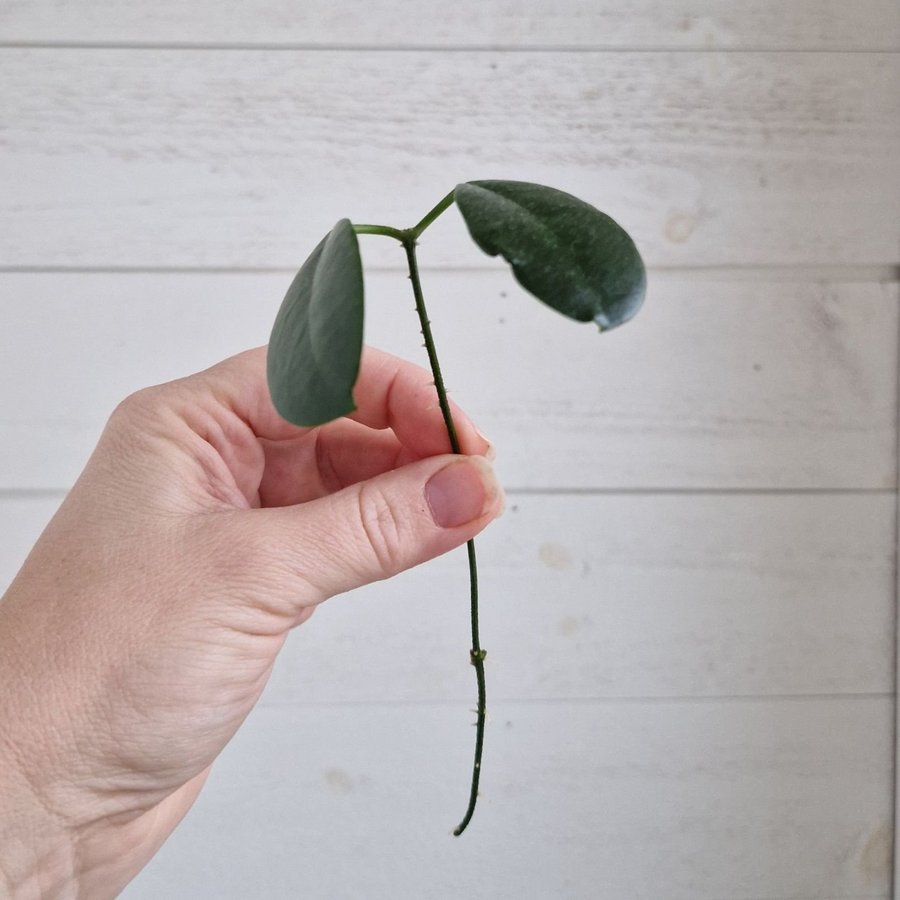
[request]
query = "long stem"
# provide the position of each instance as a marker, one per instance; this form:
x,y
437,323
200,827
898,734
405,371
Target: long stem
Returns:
x,y
476,654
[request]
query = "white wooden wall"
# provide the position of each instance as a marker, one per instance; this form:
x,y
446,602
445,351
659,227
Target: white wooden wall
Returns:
x,y
690,605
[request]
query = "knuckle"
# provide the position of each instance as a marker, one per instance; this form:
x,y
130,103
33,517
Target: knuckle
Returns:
x,y
136,414
136,405
382,526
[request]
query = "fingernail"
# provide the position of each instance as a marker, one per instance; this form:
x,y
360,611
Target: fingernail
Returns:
x,y
490,454
461,492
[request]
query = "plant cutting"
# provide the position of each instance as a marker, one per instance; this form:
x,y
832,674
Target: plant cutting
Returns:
x,y
568,254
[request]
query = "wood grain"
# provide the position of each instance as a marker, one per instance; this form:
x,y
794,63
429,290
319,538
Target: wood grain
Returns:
x,y
634,596
718,385
703,24
687,801
605,597
245,158
690,605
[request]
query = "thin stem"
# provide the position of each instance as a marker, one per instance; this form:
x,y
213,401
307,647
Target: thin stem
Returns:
x,y
410,246
404,234
476,657
386,230
476,654
445,204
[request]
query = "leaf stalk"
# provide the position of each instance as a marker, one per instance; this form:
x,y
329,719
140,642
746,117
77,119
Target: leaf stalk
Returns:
x,y
430,216
384,230
405,234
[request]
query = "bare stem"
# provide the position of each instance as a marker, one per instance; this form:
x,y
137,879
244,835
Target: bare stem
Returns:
x,y
476,654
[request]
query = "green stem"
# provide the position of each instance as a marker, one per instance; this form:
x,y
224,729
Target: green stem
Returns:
x,y
385,230
405,234
476,654
429,217
410,246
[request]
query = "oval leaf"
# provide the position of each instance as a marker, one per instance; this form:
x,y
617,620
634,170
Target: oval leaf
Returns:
x,y
316,343
564,251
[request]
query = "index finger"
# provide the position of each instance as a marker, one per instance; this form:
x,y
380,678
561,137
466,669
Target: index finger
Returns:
x,y
389,393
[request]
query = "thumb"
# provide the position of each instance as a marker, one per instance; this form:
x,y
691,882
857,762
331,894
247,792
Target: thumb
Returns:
x,y
377,528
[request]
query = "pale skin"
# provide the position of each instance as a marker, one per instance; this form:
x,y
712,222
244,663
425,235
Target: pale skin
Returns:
x,y
144,624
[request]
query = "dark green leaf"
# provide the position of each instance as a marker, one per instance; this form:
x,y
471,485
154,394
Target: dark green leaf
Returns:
x,y
316,342
564,251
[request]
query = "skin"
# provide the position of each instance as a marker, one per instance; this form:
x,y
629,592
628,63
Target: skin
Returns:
x,y
145,623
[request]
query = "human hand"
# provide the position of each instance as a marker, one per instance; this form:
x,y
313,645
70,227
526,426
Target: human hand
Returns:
x,y
144,624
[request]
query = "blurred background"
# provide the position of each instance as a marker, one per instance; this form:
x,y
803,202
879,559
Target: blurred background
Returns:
x,y
690,605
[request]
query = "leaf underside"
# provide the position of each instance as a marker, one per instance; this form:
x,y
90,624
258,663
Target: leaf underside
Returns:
x,y
562,250
316,342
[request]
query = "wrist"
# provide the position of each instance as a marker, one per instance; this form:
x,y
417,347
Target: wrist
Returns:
x,y
37,857
44,857
67,829
57,843
37,854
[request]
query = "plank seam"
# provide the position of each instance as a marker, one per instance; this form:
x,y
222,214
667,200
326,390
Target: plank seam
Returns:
x,y
659,491
57,493
230,46
585,701
886,273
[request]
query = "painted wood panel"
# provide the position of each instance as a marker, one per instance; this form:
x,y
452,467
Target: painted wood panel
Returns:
x,y
689,607
657,596
245,158
686,801
705,24
608,597
714,385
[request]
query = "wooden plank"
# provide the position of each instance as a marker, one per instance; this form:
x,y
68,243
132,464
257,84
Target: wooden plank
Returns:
x,y
686,801
245,158
722,385
623,596
628,596
708,24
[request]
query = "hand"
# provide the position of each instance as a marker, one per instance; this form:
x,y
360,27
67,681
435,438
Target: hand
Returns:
x,y
145,623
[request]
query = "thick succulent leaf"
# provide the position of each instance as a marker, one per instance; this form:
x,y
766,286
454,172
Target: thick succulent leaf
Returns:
x,y
316,342
564,251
